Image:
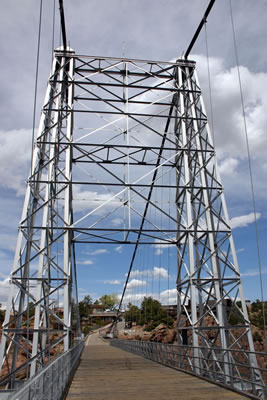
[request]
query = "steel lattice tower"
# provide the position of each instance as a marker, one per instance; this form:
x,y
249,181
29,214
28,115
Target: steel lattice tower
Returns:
x,y
140,129
212,314
43,274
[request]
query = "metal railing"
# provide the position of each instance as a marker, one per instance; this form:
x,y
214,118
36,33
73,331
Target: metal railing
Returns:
x,y
210,364
52,381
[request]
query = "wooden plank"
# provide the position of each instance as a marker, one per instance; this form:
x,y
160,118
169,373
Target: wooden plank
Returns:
x,y
107,373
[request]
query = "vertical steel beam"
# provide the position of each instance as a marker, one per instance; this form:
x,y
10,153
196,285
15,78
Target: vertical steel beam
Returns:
x,y
211,233
68,206
44,244
189,220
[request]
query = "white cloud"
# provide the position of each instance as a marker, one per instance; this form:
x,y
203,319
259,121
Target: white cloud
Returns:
x,y
6,261
229,131
96,252
3,255
240,250
228,166
160,272
254,272
4,276
229,124
4,289
8,240
244,220
117,221
82,293
86,200
112,282
158,251
155,272
134,297
86,262
166,297
136,283
15,156
160,247
118,249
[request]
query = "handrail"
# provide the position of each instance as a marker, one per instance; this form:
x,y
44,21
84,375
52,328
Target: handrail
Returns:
x,y
210,368
52,381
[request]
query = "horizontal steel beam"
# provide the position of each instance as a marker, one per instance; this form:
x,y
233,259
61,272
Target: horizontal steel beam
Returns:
x,y
157,63
131,114
92,183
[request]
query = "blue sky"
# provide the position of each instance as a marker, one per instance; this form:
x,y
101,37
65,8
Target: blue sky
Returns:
x,y
150,30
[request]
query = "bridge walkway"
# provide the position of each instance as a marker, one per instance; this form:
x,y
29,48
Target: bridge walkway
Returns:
x,y
108,373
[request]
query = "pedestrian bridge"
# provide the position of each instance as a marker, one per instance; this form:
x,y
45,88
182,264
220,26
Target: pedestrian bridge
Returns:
x,y
97,369
106,372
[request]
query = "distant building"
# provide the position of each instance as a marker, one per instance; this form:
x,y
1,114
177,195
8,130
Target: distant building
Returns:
x,y
106,316
171,309
97,308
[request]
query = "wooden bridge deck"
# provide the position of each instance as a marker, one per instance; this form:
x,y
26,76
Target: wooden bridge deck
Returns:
x,y
108,373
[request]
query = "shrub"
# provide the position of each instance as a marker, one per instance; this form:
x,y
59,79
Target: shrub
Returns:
x,y
257,337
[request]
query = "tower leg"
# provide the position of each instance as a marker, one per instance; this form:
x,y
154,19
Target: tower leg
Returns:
x,y
208,281
34,322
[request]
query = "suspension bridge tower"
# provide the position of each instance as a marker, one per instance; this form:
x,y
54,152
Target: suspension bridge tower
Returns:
x,y
143,129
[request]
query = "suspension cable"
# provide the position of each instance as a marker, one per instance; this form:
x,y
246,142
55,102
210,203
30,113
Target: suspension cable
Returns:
x,y
250,171
53,29
63,26
168,248
209,81
160,249
36,81
202,22
148,200
32,146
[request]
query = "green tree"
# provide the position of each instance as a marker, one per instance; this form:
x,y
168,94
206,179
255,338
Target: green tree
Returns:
x,y
257,337
98,322
132,314
2,314
256,306
85,306
109,301
31,309
152,314
256,314
88,300
235,318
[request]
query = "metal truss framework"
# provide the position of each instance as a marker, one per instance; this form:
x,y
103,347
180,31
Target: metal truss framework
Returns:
x,y
140,134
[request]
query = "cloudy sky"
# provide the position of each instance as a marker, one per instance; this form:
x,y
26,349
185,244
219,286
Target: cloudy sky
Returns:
x,y
152,30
